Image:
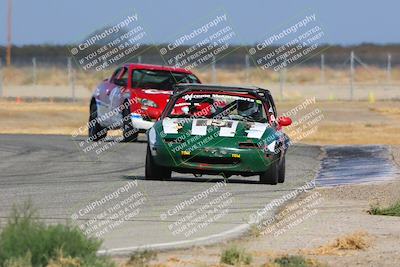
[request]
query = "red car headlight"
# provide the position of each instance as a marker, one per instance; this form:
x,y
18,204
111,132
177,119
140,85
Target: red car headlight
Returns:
x,y
147,102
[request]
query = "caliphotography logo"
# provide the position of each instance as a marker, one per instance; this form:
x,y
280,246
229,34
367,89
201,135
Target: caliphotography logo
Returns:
x,y
227,133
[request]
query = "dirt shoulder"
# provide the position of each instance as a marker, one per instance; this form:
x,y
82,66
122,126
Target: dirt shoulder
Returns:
x,y
343,122
333,213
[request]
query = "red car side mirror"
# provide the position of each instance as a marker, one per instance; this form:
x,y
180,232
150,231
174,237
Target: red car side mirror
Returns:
x,y
284,121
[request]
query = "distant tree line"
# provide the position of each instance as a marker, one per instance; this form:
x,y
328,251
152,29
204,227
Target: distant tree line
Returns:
x,y
335,55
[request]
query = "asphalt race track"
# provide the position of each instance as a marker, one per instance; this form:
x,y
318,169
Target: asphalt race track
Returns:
x,y
61,180
64,183
355,164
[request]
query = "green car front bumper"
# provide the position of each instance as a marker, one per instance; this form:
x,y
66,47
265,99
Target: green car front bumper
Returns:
x,y
213,160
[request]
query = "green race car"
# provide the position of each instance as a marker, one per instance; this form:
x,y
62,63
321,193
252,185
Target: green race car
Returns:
x,y
218,130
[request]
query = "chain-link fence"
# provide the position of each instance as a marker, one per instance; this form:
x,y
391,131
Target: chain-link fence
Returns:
x,y
328,77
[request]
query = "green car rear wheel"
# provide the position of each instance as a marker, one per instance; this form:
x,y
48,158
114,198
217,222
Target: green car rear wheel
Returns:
x,y
281,171
271,175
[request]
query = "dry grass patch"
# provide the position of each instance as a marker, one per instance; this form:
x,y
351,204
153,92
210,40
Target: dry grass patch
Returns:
x,y
354,241
354,134
64,261
386,110
140,259
297,75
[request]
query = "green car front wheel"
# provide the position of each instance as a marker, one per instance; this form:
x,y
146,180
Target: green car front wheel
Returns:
x,y
154,171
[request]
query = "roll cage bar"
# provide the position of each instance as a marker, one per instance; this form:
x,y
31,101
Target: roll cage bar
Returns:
x,y
181,89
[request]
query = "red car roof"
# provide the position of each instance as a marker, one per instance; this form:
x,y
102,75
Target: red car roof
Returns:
x,y
156,67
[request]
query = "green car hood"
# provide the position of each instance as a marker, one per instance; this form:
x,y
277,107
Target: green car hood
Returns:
x,y
214,132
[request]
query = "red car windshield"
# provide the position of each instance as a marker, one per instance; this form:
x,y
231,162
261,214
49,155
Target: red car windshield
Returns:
x,y
162,80
219,106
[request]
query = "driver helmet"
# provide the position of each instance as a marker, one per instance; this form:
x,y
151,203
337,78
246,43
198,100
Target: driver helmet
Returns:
x,y
247,108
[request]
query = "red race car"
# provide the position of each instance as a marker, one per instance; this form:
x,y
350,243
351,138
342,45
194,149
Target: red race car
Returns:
x,y
133,98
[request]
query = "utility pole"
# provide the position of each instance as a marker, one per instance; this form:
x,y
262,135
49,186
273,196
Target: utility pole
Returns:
x,y
9,33
1,78
34,76
351,75
389,68
247,63
322,68
213,71
176,63
71,79
282,80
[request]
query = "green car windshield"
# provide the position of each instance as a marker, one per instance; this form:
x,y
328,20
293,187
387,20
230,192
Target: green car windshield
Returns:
x,y
219,106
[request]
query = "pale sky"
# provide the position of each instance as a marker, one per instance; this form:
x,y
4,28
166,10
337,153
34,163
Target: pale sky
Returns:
x,y
65,22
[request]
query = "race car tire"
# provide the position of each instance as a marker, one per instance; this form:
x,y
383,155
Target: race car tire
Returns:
x,y
270,176
129,132
154,171
281,170
96,132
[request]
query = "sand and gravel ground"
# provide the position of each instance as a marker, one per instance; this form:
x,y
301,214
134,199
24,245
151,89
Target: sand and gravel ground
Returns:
x,y
343,122
340,212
